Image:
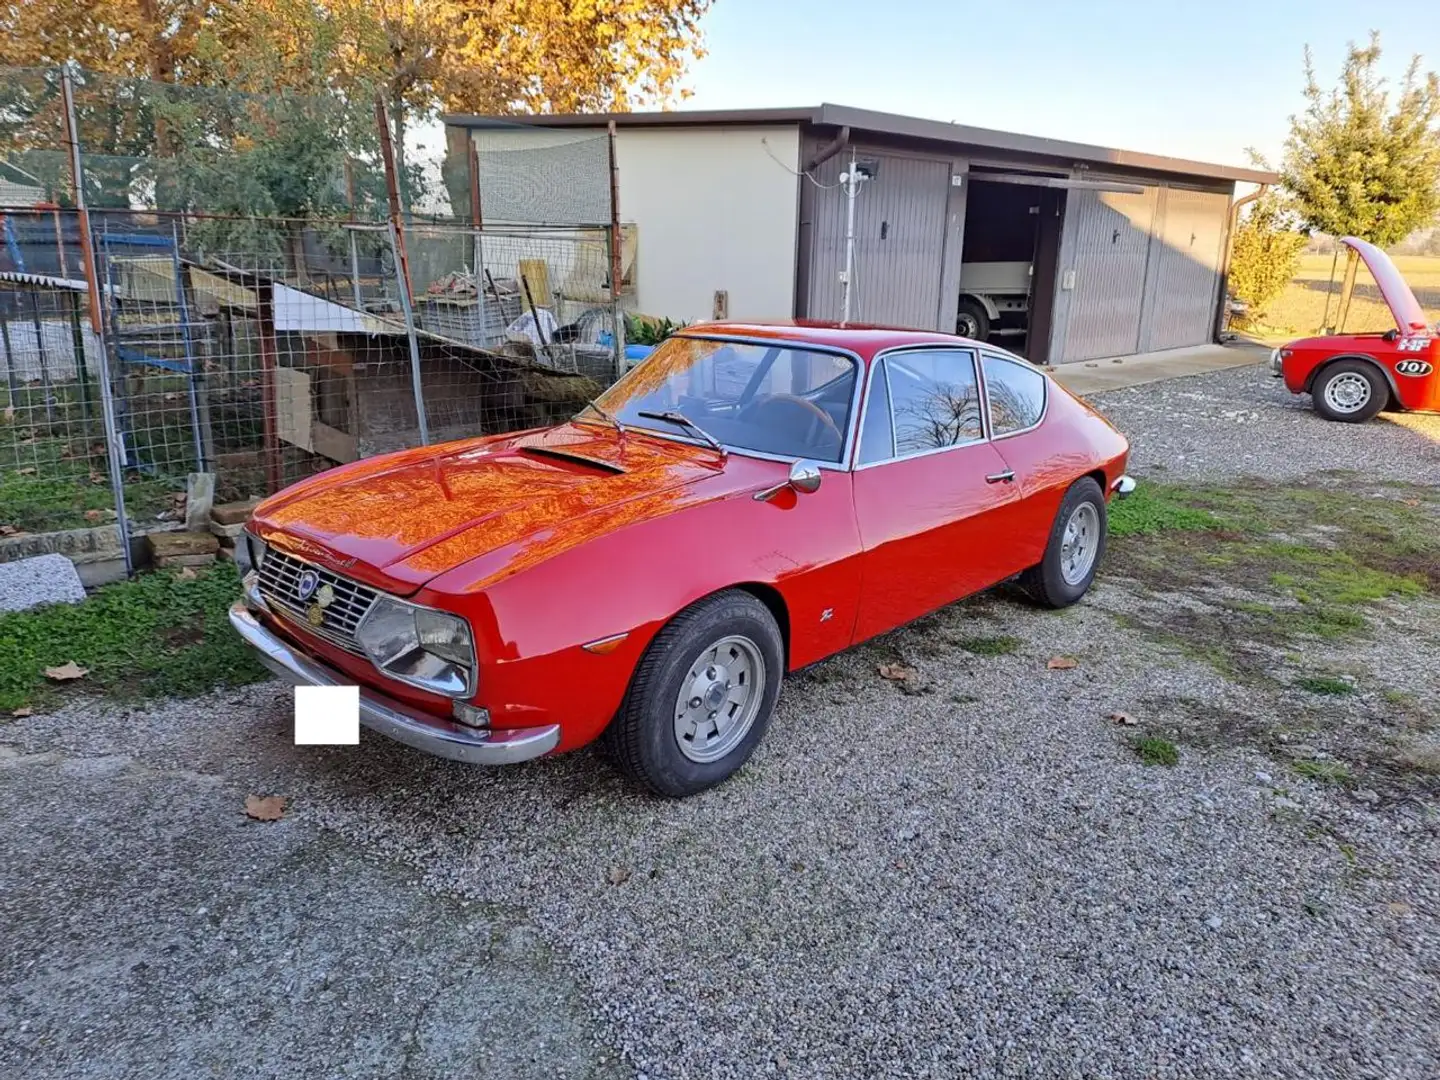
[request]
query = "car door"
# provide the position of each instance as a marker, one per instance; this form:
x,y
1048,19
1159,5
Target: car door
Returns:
x,y
928,488
1016,399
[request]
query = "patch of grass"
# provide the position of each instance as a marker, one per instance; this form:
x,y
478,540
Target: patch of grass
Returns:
x,y
1153,750
158,634
989,646
1154,508
1322,622
1325,684
958,698
1326,772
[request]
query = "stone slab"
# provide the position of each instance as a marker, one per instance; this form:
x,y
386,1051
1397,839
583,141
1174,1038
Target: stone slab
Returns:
x,y
233,513
42,579
168,544
199,499
170,561
78,545
227,532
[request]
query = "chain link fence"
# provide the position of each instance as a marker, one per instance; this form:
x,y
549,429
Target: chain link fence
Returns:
x,y
178,324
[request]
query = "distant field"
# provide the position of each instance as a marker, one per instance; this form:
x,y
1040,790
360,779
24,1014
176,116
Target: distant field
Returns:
x,y
1300,309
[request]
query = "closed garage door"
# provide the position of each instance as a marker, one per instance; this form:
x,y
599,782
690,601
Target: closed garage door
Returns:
x,y
899,242
1111,245
1187,274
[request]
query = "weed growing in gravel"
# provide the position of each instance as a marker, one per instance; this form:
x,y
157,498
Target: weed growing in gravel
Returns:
x,y
989,646
1326,772
157,634
1156,751
1325,684
1154,508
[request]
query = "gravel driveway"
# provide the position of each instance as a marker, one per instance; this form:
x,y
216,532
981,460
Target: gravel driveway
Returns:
x,y
965,873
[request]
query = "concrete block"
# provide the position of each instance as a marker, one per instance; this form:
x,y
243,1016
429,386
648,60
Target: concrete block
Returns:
x,y
79,545
170,561
167,544
226,532
226,554
43,579
233,513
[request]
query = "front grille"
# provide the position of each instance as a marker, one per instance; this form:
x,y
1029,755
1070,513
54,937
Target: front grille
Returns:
x,y
279,583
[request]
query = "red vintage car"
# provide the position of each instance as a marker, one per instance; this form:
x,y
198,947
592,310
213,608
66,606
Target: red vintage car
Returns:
x,y
747,501
1351,377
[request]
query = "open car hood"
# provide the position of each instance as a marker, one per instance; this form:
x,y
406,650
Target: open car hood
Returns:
x,y
1409,315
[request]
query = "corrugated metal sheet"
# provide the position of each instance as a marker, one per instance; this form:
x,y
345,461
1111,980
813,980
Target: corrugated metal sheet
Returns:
x,y
1108,254
899,242
1180,309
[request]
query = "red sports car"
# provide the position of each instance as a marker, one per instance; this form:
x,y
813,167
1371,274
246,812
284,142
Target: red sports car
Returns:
x,y
1351,377
748,500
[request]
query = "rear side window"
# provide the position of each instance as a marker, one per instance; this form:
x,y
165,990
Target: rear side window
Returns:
x,y
1016,395
935,399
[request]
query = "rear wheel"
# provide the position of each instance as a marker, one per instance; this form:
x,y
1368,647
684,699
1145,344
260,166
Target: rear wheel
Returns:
x,y
1076,546
972,322
702,696
1351,392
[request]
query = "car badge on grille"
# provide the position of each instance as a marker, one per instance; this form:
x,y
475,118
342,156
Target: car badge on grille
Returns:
x,y
306,584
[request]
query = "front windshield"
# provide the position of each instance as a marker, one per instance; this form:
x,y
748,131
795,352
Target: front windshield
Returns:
x,y
773,398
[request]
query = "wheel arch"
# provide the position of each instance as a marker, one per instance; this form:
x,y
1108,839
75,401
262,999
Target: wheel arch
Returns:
x,y
774,601
986,304
1385,374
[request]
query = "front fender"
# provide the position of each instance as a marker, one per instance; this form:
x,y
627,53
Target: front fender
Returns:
x,y
619,587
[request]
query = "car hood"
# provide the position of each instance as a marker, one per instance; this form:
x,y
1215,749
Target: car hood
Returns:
x,y
400,520
1408,314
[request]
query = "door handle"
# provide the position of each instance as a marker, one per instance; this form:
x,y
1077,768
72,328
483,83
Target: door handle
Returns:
x,y
1006,477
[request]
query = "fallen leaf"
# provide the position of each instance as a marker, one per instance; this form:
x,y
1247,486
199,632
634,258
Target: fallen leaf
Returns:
x,y
25,472
9,530
22,711
1399,907
619,875
94,515
187,574
265,807
172,397
9,414
1062,663
66,672
896,672
97,477
1124,718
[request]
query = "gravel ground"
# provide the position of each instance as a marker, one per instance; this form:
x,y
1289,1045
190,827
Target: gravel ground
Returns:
x,y
1243,422
968,873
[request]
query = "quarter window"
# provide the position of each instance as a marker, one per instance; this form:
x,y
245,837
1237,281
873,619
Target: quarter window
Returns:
x,y
1016,395
935,399
877,438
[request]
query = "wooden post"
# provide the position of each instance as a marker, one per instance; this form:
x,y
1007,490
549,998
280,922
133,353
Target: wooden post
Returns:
x,y
616,259
392,192
77,179
265,323
473,163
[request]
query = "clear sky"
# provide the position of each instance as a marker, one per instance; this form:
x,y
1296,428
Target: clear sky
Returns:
x,y
1198,80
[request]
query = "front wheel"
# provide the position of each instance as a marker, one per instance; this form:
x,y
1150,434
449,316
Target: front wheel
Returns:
x,y
701,697
973,321
1351,392
1076,546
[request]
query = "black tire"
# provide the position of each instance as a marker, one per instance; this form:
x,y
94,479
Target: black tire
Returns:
x,y
1344,373
642,739
973,322
1046,583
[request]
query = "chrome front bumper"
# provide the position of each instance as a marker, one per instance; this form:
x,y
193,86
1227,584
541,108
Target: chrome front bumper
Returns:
x,y
432,734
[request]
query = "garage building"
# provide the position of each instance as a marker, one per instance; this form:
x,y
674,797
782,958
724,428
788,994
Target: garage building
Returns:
x,y
1061,251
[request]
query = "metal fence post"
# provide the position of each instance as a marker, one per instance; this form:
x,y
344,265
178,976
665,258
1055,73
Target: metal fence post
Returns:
x,y
87,249
409,313
617,259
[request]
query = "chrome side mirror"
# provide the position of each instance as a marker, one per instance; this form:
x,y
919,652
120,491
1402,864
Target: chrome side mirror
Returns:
x,y
804,479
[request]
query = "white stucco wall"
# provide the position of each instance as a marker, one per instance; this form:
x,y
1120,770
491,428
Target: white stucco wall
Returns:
x,y
713,210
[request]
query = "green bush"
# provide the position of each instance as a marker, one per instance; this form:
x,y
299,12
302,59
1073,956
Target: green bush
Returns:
x,y
1265,257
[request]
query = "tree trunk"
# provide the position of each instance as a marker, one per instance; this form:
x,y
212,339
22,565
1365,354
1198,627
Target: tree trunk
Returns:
x,y
1347,288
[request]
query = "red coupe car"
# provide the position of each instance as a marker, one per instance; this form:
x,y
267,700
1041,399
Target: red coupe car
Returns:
x,y
1351,377
747,501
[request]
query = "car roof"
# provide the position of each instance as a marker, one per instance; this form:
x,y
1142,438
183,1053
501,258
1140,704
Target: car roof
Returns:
x,y
861,338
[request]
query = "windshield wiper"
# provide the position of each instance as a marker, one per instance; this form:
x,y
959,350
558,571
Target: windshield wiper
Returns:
x,y
679,419
596,406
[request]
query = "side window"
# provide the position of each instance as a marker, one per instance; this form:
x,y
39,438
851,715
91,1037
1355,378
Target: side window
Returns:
x,y
1016,395
877,439
935,398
